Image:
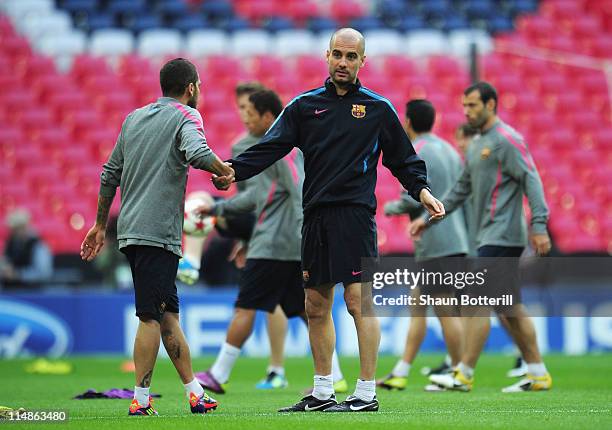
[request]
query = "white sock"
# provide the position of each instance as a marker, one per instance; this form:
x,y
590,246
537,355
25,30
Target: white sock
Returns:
x,y
365,390
447,360
224,363
279,370
195,262
336,371
466,370
323,387
401,369
193,387
536,369
142,396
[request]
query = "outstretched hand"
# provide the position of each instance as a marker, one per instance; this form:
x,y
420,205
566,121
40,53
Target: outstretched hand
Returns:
x,y
93,242
432,205
417,227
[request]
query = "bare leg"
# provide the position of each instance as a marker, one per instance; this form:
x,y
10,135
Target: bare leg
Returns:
x,y
176,346
477,327
416,333
321,331
452,330
368,330
146,347
523,332
240,327
277,332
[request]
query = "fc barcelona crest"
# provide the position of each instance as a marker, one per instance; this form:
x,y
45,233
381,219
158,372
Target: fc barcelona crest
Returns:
x,y
358,111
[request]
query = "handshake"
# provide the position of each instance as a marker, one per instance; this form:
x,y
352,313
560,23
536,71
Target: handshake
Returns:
x,y
223,175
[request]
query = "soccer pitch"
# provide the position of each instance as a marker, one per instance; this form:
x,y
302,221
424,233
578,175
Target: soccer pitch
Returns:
x,y
581,397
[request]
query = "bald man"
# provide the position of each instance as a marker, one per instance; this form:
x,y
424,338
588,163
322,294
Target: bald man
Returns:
x,y
341,128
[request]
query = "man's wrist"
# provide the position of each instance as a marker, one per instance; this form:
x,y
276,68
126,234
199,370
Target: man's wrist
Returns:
x,y
422,189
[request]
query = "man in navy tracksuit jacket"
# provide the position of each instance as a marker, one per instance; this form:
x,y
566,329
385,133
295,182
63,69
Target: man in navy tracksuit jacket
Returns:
x,y
341,128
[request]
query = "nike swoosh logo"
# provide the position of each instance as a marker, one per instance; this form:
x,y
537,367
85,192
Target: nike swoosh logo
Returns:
x,y
317,111
357,273
358,408
307,408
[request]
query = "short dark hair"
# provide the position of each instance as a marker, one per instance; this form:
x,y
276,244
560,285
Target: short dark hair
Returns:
x,y
176,75
248,88
467,130
486,90
266,101
421,114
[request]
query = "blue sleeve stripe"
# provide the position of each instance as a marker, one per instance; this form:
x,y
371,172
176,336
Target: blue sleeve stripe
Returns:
x,y
310,93
377,97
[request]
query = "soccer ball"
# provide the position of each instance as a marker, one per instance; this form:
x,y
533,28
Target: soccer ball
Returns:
x,y
194,224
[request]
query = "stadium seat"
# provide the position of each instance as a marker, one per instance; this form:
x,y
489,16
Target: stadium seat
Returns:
x,y
111,42
206,42
39,26
17,9
250,42
97,21
383,42
300,11
294,42
409,23
322,24
345,10
274,24
80,6
132,7
171,9
217,9
461,40
159,43
142,23
189,23
256,11
421,43
62,45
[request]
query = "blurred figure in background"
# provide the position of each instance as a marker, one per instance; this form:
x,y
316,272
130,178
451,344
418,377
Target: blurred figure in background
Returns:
x,y
499,171
440,248
27,259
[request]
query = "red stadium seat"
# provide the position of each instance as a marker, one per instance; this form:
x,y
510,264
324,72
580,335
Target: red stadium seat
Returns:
x,y
85,67
344,10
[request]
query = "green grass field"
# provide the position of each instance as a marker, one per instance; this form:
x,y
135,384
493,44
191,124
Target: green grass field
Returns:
x,y
581,398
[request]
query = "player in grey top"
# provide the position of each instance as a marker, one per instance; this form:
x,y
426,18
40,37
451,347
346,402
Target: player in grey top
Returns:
x,y
448,238
155,148
499,170
272,275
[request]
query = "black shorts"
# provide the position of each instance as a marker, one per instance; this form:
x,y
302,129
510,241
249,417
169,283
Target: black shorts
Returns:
x,y
334,240
264,284
154,274
438,272
503,276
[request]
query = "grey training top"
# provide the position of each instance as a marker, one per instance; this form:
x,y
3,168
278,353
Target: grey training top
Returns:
x,y
499,169
449,236
150,162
